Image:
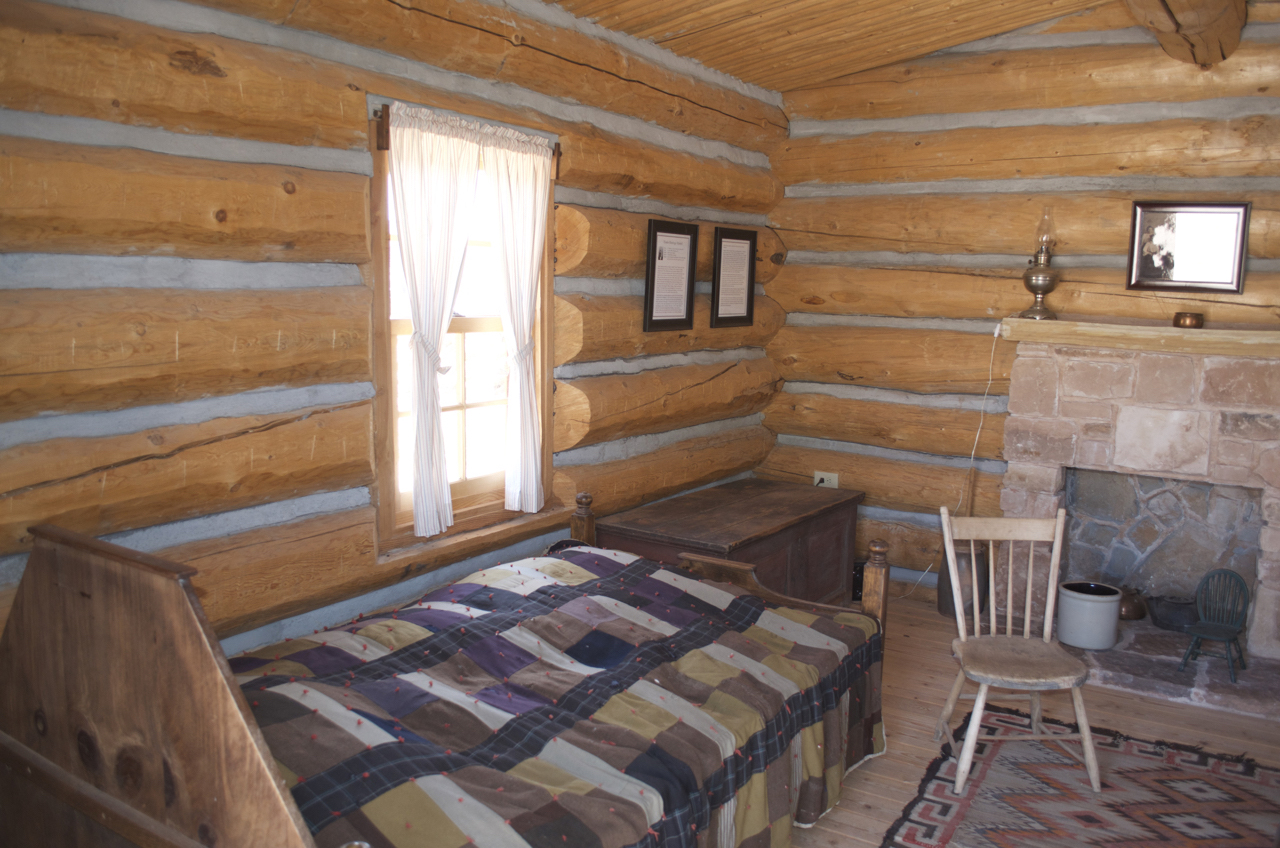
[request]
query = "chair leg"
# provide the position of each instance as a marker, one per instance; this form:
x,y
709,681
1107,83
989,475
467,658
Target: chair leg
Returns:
x,y
1239,650
1037,726
971,738
1231,660
944,720
1194,646
1086,740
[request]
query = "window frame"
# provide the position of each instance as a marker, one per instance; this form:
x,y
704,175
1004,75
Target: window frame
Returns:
x,y
472,510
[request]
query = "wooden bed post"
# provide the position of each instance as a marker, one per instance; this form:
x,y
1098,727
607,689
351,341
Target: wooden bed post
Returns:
x,y
875,581
119,703
582,522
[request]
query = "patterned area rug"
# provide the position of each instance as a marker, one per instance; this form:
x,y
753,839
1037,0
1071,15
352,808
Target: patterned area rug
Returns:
x,y
1032,795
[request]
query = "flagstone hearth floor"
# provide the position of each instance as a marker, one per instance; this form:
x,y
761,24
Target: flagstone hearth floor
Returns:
x,y
1146,661
918,671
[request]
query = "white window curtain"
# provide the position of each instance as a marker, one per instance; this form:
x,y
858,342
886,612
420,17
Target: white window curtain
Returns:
x,y
434,163
435,160
521,168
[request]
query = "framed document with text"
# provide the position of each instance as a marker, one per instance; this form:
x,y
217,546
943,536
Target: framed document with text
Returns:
x,y
733,278
668,281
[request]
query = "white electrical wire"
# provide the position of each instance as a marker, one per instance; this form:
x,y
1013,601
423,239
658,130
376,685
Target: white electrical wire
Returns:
x,y
982,414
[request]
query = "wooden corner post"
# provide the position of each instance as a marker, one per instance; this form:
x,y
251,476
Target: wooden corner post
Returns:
x,y
875,581
582,522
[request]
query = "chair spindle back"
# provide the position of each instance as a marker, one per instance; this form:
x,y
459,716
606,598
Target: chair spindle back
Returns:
x,y
1222,598
995,531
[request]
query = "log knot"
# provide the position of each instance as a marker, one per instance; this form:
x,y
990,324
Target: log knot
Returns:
x,y
193,63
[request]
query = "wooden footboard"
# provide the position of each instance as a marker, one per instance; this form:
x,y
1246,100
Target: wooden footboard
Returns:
x,y
875,574
875,599
121,723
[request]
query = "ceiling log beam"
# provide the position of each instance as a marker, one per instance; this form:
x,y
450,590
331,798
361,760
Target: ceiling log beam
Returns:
x,y
1201,32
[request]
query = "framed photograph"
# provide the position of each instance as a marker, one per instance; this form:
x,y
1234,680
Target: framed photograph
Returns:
x,y
733,278
1188,246
668,278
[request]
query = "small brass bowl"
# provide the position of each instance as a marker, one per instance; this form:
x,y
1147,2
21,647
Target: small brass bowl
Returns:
x,y
1189,320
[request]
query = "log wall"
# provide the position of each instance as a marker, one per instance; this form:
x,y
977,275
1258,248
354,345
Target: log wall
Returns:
x,y
186,269
912,197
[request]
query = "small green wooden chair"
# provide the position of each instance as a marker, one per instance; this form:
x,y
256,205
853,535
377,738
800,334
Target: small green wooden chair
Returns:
x,y
1222,602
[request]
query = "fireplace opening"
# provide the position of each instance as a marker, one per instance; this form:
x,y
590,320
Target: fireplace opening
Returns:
x,y
1158,535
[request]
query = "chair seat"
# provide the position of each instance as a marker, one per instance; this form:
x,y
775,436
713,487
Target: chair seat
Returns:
x,y
1012,662
1209,630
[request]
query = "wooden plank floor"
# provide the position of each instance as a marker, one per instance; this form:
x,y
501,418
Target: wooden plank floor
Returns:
x,y
918,672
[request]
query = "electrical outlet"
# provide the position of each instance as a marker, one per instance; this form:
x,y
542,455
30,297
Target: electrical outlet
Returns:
x,y
826,478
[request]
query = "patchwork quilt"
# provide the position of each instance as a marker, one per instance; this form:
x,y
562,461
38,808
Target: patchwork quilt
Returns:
x,y
584,698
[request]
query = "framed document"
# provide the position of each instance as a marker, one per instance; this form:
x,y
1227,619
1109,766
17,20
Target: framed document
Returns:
x,y
1188,246
733,278
668,281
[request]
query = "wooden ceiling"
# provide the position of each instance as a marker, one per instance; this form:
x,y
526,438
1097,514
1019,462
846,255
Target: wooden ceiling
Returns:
x,y
783,45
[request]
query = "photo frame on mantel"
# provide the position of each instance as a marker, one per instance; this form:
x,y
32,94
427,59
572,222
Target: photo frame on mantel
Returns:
x,y
1198,247
733,276
668,278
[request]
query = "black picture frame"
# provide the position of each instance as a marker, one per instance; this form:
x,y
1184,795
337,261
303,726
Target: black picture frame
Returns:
x,y
668,277
1195,247
733,282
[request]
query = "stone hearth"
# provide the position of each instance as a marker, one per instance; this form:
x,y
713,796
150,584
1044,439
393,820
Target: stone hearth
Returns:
x,y
1156,534
1187,416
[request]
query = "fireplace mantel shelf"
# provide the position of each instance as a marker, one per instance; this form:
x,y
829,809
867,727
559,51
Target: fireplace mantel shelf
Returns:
x,y
1259,343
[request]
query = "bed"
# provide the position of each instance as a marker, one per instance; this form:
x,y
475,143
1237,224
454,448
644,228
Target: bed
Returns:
x,y
584,697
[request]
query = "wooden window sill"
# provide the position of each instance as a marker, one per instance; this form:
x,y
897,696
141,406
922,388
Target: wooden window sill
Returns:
x,y
424,557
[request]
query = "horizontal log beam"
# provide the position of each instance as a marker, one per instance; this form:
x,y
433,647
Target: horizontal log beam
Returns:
x,y
252,578
1182,148
611,244
192,83
592,328
998,293
72,62
946,432
608,163
114,483
910,545
594,160
927,361
624,483
1096,75
68,198
600,409
129,347
1087,222
494,43
889,483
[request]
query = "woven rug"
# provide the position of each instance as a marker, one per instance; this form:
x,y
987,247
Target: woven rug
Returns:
x,y
1032,795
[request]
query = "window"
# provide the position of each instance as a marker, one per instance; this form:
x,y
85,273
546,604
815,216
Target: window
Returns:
x,y
473,376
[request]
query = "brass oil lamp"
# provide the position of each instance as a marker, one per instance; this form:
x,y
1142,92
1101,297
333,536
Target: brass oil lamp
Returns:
x,y
1039,278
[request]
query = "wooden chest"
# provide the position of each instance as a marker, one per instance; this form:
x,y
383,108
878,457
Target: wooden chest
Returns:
x,y
800,538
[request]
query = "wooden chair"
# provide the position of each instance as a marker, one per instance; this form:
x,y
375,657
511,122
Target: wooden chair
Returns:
x,y
1222,602
1011,660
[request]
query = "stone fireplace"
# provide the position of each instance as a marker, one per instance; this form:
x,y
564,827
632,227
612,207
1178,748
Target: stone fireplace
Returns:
x,y
1158,535
1154,402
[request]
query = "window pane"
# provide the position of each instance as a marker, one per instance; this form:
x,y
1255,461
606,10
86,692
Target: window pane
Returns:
x,y
486,368
450,388
480,289
451,432
486,428
404,452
